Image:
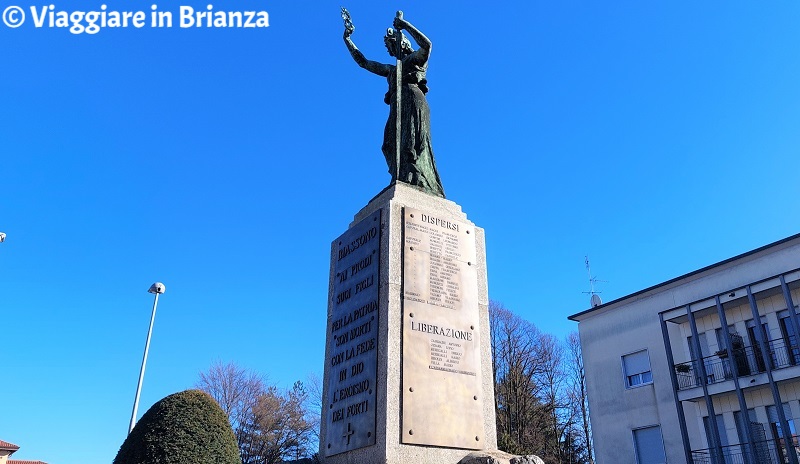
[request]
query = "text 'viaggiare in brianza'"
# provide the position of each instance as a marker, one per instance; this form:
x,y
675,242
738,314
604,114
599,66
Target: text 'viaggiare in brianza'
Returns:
x,y
92,21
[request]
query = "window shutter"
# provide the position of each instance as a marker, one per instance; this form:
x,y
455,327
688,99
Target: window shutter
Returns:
x,y
649,446
636,363
772,413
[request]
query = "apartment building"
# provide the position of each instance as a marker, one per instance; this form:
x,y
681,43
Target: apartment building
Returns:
x,y
702,369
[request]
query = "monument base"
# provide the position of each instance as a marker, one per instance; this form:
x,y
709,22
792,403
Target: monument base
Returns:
x,y
499,457
408,369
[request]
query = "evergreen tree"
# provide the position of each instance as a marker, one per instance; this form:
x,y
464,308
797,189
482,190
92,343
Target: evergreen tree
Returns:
x,y
185,427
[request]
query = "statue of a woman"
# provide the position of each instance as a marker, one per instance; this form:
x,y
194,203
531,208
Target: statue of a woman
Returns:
x,y
417,165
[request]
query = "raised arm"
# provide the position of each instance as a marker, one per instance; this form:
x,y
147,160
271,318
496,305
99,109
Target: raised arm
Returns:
x,y
371,66
420,38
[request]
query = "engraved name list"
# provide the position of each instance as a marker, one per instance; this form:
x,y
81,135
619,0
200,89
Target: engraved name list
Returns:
x,y
441,359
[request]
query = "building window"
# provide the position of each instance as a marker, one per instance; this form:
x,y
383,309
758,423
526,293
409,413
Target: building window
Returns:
x,y
784,446
649,446
637,369
789,339
760,365
711,439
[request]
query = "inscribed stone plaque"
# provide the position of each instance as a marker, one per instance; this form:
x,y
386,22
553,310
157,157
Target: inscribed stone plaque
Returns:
x,y
349,408
442,393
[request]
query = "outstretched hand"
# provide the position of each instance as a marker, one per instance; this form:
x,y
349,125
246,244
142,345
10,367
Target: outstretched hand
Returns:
x,y
348,23
400,24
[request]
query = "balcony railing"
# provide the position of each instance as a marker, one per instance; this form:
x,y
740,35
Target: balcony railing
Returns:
x,y
748,361
760,452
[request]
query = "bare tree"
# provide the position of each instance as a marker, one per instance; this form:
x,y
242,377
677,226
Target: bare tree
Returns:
x,y
551,380
535,399
235,389
516,367
270,425
578,394
314,410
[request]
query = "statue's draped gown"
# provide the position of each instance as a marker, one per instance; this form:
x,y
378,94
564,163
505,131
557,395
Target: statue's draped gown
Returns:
x,y
417,165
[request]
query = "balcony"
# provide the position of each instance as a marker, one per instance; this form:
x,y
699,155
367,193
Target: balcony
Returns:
x,y
760,452
748,361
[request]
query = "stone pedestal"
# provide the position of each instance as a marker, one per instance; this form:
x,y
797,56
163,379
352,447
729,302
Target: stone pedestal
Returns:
x,y
408,371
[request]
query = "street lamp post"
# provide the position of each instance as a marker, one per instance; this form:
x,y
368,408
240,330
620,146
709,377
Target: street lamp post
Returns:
x,y
157,289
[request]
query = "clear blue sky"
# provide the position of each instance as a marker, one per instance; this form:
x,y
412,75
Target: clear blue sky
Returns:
x,y
656,137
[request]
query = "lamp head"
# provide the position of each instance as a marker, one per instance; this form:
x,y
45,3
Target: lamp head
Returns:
x,y
157,288
2,237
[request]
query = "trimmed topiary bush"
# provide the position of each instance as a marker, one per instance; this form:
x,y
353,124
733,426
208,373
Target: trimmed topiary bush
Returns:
x,y
184,428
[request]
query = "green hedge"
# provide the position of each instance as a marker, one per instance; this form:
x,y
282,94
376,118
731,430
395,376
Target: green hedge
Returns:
x,y
184,428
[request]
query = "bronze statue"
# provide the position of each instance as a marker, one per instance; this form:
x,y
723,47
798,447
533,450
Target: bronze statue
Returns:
x,y
407,137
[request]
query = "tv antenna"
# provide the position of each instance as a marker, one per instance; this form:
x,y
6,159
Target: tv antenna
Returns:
x,y
595,297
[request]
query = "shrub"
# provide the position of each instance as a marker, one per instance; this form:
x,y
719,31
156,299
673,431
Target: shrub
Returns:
x,y
184,428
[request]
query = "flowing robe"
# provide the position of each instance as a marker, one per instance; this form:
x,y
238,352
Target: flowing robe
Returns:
x,y
417,164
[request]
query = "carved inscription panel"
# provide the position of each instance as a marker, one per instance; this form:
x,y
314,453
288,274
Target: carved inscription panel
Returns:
x,y
442,394
349,409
